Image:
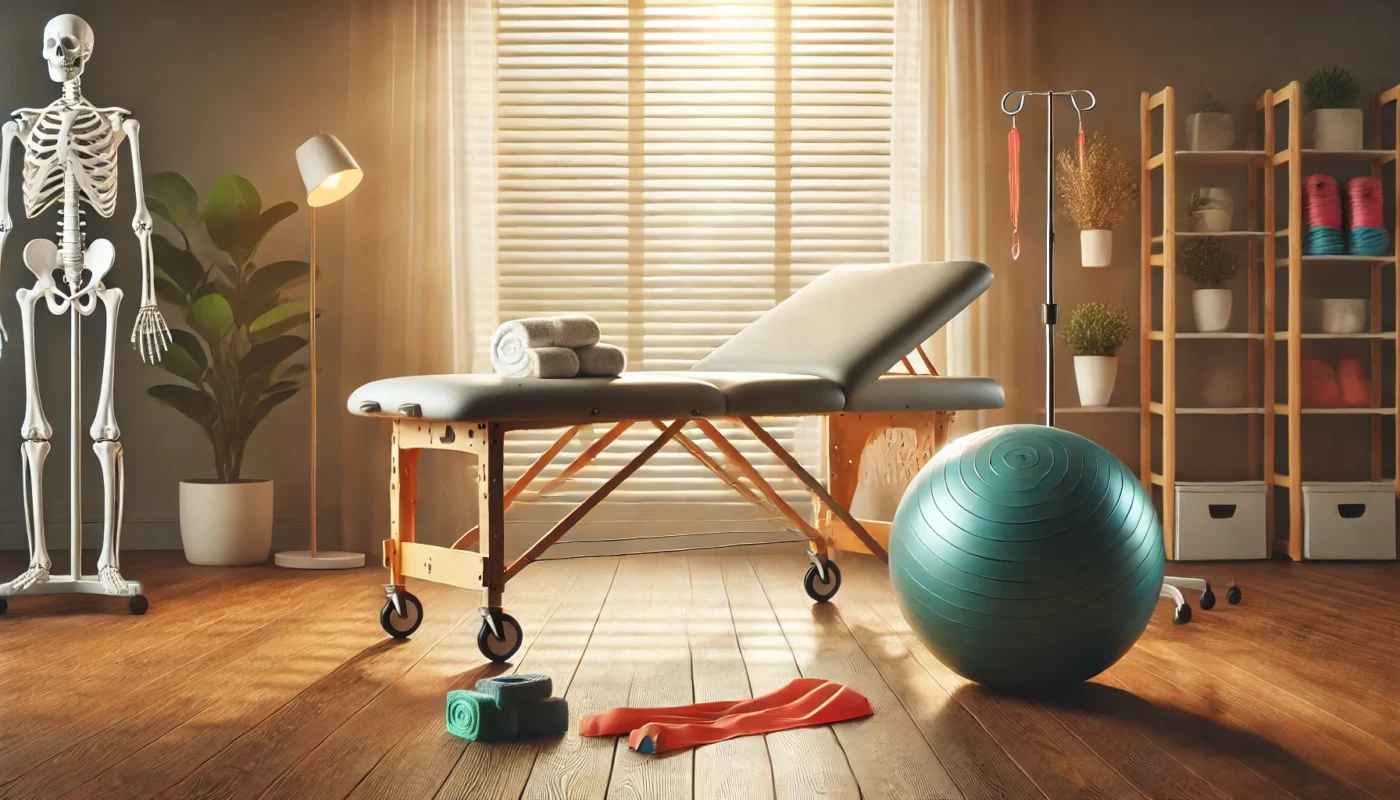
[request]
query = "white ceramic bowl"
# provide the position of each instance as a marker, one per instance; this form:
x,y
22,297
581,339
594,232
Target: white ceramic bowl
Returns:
x,y
1343,315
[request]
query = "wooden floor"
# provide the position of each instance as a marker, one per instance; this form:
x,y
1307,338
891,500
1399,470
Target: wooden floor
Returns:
x,y
264,682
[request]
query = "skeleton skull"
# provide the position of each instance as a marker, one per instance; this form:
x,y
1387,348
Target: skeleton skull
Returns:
x,y
67,46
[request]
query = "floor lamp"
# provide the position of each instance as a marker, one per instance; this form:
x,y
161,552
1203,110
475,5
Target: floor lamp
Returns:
x,y
329,173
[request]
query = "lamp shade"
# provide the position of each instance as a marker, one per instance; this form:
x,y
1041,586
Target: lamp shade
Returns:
x,y
328,170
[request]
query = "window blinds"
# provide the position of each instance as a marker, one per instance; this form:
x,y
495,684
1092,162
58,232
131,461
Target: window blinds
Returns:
x,y
674,168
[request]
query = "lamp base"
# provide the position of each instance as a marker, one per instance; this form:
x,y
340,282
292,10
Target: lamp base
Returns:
x,y
324,559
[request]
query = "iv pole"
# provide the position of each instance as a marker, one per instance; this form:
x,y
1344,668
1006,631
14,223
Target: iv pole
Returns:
x,y
1049,312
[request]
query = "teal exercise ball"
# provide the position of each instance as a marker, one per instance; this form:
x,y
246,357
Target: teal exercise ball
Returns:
x,y
1027,558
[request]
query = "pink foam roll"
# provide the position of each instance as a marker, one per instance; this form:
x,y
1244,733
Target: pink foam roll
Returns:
x,y
1365,204
1322,201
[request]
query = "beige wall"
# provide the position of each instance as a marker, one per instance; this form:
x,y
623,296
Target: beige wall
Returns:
x,y
217,87
1230,49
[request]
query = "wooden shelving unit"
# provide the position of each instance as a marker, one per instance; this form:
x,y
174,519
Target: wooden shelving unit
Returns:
x,y
1270,233
1299,162
1259,238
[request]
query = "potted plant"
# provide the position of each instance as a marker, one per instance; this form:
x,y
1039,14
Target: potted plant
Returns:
x,y
1212,210
234,355
1094,332
1211,127
1334,122
1210,263
1097,192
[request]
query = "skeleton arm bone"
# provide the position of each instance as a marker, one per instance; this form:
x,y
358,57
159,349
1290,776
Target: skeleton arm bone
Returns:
x,y
7,140
151,336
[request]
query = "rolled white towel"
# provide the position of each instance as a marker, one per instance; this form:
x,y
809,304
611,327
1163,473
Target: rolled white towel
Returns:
x,y
601,361
565,330
538,362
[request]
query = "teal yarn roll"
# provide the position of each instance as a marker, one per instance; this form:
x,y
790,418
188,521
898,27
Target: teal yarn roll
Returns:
x,y
1321,241
1367,241
1026,558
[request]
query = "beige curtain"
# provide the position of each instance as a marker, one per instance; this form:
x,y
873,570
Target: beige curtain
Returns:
x,y
953,61
418,291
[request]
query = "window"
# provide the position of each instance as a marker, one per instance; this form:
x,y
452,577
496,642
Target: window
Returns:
x,y
674,168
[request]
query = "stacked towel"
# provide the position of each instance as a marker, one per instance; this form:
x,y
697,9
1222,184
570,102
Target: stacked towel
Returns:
x,y
505,708
554,347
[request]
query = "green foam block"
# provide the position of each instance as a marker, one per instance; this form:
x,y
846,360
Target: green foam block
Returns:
x,y
545,718
476,717
510,690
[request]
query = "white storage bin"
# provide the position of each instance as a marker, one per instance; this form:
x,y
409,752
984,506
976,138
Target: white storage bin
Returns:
x,y
1349,520
1220,521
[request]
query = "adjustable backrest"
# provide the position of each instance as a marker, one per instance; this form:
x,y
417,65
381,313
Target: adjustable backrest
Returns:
x,y
853,324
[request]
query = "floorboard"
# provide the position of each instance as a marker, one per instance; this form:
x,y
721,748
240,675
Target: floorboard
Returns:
x,y
263,682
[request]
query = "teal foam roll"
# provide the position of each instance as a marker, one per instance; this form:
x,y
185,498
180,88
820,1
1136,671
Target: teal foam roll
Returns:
x,y
476,717
509,690
1367,241
544,718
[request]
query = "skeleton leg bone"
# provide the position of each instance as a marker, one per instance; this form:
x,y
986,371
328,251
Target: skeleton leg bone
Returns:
x,y
37,432
106,444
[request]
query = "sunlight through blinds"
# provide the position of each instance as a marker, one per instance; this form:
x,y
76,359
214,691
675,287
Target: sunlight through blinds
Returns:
x,y
674,168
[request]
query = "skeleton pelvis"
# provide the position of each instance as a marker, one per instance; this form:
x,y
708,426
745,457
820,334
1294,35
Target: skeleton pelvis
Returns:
x,y
42,258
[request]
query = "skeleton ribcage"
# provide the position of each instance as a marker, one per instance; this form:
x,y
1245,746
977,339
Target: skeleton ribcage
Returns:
x,y
93,142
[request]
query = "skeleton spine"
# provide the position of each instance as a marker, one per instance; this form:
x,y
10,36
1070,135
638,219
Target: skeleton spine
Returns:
x,y
71,232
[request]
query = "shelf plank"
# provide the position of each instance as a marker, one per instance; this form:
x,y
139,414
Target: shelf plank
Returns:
x,y
1095,410
1158,408
1221,234
1158,336
1282,408
1387,335
1219,156
1282,480
1374,156
1366,260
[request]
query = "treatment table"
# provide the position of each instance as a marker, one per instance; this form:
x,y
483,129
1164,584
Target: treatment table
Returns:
x,y
823,351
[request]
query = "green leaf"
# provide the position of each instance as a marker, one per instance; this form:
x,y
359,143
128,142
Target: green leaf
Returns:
x,y
178,263
196,404
277,276
297,368
279,320
169,292
281,386
230,211
258,230
191,345
265,404
178,362
173,199
268,355
212,316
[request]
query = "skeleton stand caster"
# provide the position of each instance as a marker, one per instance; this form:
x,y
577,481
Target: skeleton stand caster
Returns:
x,y
1233,595
401,625
4,606
1183,614
1207,599
137,604
822,590
500,635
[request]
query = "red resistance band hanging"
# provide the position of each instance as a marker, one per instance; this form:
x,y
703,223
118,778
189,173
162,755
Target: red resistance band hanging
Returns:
x,y
1013,155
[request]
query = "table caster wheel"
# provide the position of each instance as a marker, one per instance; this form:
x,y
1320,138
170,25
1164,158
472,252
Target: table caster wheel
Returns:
x,y
1207,600
1183,614
138,604
819,590
402,627
1233,595
500,650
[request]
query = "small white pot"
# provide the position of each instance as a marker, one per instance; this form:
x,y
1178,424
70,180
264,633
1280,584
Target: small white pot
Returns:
x,y
1212,308
1343,315
1095,248
1213,210
1095,376
1210,130
226,524
1333,129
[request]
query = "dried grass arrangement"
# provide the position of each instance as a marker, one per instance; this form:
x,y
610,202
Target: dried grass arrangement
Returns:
x,y
1098,194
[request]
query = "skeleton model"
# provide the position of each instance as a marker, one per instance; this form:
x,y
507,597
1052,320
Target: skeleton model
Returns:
x,y
70,160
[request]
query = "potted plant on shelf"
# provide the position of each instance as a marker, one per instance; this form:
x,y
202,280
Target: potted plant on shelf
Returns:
x,y
1095,332
1211,127
1210,263
1097,191
1334,122
234,358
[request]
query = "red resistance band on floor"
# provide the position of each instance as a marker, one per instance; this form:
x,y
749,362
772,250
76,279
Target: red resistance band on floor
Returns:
x,y
802,703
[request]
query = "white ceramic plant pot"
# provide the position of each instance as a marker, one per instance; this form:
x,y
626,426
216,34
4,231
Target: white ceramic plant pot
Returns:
x,y
1095,376
1333,129
1095,248
1213,210
1212,309
226,524
1210,130
1343,315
